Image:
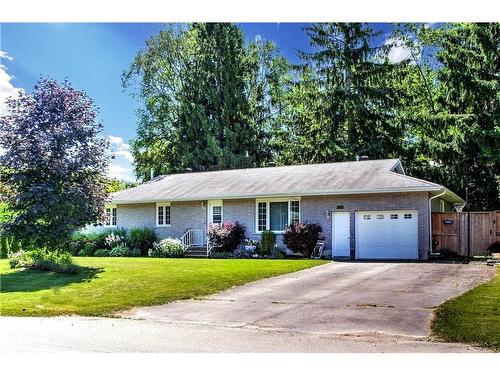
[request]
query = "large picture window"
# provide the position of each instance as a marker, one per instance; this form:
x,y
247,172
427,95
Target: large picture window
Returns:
x,y
162,214
276,214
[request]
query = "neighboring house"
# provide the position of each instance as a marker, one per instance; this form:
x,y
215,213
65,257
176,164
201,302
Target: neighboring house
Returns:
x,y
368,209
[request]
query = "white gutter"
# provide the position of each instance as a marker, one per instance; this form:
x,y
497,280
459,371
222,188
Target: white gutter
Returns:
x,y
430,221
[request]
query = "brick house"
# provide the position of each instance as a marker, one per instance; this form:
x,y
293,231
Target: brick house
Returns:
x,y
368,209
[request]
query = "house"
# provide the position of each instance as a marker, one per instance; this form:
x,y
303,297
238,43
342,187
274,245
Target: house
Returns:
x,y
368,209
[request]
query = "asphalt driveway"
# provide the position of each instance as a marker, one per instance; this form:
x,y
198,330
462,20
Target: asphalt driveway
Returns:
x,y
336,298
337,307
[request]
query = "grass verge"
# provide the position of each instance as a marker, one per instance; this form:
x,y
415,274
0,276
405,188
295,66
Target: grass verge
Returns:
x,y
473,317
107,285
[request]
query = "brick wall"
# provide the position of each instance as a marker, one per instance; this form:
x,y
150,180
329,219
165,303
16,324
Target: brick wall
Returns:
x,y
313,209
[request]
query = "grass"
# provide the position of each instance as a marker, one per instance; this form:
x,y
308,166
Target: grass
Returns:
x,y
108,285
473,317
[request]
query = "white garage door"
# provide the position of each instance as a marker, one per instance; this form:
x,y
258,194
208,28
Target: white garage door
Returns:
x,y
386,234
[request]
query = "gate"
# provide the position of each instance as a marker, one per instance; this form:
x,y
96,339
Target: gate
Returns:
x,y
452,230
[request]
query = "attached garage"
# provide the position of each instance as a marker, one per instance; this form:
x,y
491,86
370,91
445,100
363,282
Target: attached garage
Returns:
x,y
387,234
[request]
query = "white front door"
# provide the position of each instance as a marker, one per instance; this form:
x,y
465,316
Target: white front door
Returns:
x,y
341,239
215,212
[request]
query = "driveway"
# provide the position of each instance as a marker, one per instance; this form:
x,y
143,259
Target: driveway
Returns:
x,y
336,298
337,307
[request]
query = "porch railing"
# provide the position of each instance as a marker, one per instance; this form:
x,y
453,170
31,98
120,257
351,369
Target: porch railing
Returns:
x,y
192,238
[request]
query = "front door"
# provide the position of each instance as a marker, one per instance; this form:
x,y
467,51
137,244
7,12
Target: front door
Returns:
x,y
215,212
341,239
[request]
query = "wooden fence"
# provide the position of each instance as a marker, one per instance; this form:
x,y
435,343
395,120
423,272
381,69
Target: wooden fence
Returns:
x,y
452,230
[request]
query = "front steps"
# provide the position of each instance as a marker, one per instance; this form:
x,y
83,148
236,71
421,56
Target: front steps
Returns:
x,y
196,252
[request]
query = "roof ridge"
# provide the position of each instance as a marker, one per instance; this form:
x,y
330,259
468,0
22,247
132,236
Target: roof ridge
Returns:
x,y
281,166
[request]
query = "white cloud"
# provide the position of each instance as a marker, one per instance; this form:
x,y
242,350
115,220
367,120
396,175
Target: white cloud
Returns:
x,y
7,89
399,51
121,168
120,148
120,172
258,38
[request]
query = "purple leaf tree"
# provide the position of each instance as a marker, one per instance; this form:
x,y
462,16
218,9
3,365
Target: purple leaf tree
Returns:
x,y
53,165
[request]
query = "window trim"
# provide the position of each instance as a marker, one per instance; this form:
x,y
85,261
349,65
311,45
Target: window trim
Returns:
x,y
268,211
110,207
163,204
215,203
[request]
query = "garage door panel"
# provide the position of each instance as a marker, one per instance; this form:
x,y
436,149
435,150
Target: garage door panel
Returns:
x,y
378,236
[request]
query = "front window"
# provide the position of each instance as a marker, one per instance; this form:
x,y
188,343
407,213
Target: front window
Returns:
x,y
276,215
110,217
162,214
217,214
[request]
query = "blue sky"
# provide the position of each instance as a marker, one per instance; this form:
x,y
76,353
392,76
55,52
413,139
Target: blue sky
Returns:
x,y
93,56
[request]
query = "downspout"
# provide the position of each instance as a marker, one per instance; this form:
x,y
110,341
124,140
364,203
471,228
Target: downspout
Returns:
x,y
430,221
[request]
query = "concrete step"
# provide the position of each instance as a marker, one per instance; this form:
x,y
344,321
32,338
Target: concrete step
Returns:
x,y
196,252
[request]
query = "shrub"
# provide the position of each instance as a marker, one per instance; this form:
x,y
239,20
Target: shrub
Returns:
x,y
119,251
221,255
302,237
113,240
134,253
226,237
142,239
44,260
267,243
167,248
101,253
87,251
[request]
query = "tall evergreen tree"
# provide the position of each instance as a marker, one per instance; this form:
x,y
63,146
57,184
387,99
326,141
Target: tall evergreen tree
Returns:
x,y
456,130
199,112
357,79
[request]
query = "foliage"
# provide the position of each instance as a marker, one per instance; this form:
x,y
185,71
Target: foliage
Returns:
x,y
115,185
302,237
87,251
267,243
167,248
113,240
221,255
210,101
142,239
226,237
41,259
102,253
120,250
53,165
134,252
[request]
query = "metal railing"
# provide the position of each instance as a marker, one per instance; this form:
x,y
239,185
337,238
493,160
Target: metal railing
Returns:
x,y
192,237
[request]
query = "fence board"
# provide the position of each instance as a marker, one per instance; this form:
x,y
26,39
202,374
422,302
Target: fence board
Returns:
x,y
451,230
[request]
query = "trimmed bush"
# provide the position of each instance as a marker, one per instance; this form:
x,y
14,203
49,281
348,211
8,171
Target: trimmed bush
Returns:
x,y
267,243
43,260
302,237
101,253
134,253
167,248
87,251
221,255
226,237
142,239
119,251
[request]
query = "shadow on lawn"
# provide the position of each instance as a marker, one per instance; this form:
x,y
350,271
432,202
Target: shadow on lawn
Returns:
x,y
27,280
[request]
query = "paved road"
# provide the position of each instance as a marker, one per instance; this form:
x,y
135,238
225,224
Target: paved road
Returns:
x,y
338,307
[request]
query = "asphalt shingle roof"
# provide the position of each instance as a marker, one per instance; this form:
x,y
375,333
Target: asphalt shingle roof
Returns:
x,y
369,176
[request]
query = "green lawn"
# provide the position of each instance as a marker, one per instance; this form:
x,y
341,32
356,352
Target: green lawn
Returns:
x,y
474,317
112,284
